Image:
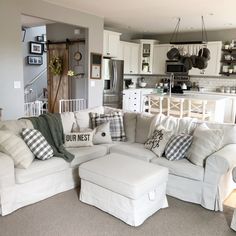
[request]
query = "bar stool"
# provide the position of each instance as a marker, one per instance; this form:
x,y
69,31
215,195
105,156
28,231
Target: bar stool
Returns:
x,y
155,105
175,107
197,109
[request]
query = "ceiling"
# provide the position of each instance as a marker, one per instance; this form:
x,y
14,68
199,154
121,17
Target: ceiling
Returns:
x,y
30,21
158,16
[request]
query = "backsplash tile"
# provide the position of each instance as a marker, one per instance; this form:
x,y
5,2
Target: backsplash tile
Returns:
x,y
207,83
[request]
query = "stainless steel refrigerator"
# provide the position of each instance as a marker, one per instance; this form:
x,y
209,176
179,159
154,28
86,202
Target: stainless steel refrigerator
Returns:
x,y
113,78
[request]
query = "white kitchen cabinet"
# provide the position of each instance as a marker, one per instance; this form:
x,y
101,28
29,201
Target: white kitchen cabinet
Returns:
x,y
111,42
134,99
159,58
213,68
146,56
131,100
130,57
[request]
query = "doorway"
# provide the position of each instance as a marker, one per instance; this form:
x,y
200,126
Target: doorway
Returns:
x,y
42,42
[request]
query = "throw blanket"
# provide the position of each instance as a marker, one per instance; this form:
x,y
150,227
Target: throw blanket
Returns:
x,y
50,126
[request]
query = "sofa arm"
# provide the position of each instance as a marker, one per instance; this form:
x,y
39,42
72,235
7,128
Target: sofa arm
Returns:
x,y
219,163
7,171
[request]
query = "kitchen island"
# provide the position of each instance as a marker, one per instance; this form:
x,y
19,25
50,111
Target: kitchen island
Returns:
x,y
215,103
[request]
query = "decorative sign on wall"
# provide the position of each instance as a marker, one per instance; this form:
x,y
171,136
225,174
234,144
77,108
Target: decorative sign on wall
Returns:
x,y
96,65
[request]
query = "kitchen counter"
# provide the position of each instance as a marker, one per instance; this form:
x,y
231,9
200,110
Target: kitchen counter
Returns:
x,y
188,96
215,103
233,95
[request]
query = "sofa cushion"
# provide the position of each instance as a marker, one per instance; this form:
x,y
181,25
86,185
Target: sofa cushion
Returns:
x,y
182,168
130,121
67,119
83,119
145,126
39,169
135,150
83,154
16,126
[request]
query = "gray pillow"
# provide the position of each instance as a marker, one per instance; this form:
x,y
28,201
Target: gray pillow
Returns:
x,y
145,126
205,142
102,134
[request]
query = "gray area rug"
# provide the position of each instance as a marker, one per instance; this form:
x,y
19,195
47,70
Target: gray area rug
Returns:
x,y
65,215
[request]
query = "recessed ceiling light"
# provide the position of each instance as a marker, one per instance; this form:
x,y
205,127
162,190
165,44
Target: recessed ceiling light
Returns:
x,y
211,14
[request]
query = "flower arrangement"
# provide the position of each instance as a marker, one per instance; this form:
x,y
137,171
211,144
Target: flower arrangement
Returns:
x,y
56,65
72,73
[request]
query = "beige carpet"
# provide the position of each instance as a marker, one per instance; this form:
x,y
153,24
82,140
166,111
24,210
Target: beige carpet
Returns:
x,y
65,215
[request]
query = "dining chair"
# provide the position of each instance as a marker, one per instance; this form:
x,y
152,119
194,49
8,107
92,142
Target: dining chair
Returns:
x,y
175,107
197,109
155,105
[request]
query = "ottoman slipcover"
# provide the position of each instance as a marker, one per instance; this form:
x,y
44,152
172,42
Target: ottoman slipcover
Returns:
x,y
127,188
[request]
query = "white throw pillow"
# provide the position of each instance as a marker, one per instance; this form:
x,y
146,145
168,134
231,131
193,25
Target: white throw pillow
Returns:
x,y
157,142
144,127
205,142
81,139
15,147
67,119
102,134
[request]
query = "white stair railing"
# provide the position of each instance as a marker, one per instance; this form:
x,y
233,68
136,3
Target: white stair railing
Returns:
x,y
71,105
35,108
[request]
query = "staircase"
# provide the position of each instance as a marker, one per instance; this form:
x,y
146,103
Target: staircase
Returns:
x,y
36,102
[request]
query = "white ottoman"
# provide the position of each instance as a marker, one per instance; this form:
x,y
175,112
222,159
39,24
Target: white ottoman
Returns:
x,y
127,188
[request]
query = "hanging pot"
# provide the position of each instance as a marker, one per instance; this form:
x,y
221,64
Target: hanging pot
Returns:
x,y
193,59
201,63
205,52
187,62
173,54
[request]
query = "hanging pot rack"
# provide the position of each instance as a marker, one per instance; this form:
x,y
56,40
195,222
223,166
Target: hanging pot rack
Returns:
x,y
175,35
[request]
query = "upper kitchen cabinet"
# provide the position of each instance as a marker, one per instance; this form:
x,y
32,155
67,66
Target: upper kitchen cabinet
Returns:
x,y
213,68
146,56
111,42
159,58
130,57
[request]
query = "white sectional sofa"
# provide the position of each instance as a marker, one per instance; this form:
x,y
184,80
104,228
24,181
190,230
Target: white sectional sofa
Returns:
x,y
207,186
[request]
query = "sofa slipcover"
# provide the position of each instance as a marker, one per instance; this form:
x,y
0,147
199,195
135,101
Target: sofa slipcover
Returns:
x,y
182,168
84,154
39,169
136,150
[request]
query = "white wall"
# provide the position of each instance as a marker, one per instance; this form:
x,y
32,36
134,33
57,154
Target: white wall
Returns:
x,y
11,100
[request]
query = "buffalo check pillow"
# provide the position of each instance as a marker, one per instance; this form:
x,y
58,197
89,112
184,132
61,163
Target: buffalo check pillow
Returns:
x,y
178,146
116,124
37,144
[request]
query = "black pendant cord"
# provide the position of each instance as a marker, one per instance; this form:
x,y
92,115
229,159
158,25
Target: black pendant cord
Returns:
x,y
174,36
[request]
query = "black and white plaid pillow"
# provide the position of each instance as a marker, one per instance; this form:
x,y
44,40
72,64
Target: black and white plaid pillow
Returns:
x,y
37,144
177,146
116,124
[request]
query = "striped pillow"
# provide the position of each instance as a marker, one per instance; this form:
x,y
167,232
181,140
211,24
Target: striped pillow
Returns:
x,y
177,146
37,144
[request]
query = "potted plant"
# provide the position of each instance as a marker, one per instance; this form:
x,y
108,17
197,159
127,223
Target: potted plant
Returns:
x,y
227,44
